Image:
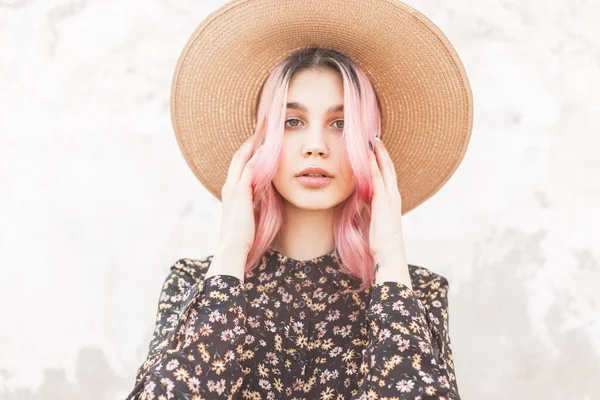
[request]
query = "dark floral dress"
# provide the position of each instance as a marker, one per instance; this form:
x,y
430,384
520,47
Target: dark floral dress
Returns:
x,y
288,332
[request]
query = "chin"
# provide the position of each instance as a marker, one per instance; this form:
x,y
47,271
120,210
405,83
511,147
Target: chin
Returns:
x,y
314,201
313,205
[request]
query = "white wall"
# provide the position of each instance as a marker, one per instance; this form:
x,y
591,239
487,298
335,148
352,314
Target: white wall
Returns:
x,y
96,201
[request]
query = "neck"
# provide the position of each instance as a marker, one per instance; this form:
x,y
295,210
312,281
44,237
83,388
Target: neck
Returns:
x,y
306,234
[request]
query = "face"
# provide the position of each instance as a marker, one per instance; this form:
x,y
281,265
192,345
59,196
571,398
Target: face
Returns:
x,y
313,138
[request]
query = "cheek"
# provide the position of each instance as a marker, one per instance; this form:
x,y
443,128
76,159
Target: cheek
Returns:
x,y
346,171
285,168
284,172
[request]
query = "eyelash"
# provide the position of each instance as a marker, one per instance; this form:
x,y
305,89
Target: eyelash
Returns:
x,y
296,119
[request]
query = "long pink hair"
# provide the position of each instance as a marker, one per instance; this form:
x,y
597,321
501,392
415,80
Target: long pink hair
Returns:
x,y
362,121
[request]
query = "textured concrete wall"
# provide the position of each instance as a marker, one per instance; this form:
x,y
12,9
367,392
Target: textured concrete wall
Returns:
x,y
96,201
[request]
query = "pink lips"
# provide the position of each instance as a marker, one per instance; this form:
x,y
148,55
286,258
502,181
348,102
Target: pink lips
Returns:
x,y
314,181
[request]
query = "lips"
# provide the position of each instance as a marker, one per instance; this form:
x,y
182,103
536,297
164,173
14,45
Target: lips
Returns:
x,y
314,181
315,172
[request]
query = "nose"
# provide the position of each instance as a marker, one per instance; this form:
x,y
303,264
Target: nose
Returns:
x,y
315,145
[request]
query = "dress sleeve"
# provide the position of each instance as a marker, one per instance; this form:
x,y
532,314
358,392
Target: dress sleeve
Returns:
x,y
408,355
197,340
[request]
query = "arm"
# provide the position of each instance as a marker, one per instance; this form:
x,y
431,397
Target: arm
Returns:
x,y
407,357
197,340
174,287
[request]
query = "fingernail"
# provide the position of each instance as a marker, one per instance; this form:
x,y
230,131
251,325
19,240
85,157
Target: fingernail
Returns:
x,y
377,138
371,146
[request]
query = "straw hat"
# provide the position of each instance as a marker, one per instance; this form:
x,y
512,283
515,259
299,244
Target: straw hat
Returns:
x,y
426,100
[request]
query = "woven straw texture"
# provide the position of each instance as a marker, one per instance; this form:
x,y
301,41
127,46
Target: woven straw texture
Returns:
x,y
426,99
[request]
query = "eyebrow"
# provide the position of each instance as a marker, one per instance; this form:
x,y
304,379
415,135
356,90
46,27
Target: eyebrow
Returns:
x,y
301,107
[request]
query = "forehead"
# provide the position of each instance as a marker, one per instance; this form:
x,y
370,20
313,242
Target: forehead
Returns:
x,y
313,90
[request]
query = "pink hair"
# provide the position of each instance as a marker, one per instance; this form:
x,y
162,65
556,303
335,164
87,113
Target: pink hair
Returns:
x,y
362,121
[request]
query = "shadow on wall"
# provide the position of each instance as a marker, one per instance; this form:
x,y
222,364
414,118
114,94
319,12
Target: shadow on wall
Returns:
x,y
95,380
500,344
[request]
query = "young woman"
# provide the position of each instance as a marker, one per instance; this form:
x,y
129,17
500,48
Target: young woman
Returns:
x,y
309,294
283,327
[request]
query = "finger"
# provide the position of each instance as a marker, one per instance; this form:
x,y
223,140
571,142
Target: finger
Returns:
x,y
377,179
249,167
388,170
244,145
239,159
385,161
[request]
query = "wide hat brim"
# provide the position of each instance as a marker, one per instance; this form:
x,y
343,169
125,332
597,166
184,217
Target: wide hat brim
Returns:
x,y
425,96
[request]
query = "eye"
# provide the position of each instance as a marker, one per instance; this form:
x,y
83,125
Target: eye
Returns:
x,y
297,121
340,120
292,119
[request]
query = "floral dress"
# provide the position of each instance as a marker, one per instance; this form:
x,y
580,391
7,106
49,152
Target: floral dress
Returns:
x,y
290,332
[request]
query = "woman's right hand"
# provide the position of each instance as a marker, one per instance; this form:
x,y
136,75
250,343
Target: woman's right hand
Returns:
x,y
237,223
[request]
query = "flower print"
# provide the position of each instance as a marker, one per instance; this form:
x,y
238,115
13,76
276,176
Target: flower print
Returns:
x,y
398,305
262,370
218,366
297,326
405,386
287,298
270,326
227,335
181,374
377,309
424,347
325,376
348,355
214,316
229,356
351,368
205,330
221,338
301,341
430,391
425,377
264,384
333,315
384,334
297,384
272,358
168,384
171,365
194,384
337,350
216,386
253,322
327,394
327,344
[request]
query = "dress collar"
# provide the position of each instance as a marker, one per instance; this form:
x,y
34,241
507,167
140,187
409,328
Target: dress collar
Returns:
x,y
324,259
275,266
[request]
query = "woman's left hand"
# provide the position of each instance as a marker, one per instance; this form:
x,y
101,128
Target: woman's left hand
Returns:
x,y
385,236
